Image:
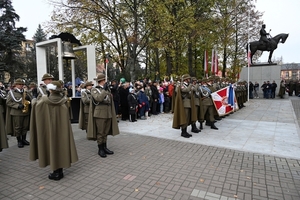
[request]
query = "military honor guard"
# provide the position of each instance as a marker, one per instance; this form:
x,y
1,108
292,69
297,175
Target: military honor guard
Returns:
x,y
42,89
208,105
52,141
184,115
102,116
84,105
18,111
197,101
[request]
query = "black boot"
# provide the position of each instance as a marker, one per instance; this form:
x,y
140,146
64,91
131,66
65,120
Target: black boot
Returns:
x,y
184,133
207,123
185,130
101,151
195,129
25,142
106,150
20,142
212,126
61,173
201,126
56,175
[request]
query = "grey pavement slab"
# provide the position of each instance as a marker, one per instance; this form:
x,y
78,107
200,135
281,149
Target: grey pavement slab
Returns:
x,y
247,158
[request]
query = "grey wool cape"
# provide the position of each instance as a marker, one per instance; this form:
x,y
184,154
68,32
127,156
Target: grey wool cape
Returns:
x,y
51,135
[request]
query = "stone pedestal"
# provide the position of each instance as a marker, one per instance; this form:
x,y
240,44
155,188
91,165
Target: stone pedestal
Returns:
x,y
261,73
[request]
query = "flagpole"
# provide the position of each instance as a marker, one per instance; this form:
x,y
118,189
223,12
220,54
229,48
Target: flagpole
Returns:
x,y
248,52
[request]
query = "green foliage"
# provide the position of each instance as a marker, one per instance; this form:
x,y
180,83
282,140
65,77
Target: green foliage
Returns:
x,y
168,36
11,38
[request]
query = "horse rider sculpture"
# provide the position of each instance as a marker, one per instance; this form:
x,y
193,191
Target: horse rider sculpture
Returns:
x,y
264,37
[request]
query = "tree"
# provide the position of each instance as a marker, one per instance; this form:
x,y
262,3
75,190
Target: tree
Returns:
x,y
39,35
11,38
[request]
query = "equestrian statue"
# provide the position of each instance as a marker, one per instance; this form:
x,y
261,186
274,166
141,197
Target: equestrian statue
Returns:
x,y
266,43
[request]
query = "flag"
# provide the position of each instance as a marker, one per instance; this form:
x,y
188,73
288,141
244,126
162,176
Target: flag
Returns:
x,y
224,100
205,63
213,61
216,63
231,96
249,58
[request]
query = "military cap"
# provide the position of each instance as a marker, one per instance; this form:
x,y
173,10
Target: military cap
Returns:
x,y
32,84
61,82
19,81
89,83
47,76
185,76
55,85
100,77
194,79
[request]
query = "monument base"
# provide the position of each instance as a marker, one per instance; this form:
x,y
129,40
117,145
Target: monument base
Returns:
x,y
261,73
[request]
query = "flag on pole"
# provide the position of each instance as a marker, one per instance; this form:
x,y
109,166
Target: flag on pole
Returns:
x,y
216,62
225,101
213,61
249,58
205,63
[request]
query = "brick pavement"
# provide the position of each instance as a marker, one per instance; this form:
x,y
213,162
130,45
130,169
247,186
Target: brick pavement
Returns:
x,y
146,167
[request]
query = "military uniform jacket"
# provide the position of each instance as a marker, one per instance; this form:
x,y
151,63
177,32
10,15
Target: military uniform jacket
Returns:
x,y
51,136
186,93
206,99
14,99
101,106
41,91
84,107
179,117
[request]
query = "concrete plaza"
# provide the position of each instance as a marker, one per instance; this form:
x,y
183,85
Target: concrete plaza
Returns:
x,y
255,154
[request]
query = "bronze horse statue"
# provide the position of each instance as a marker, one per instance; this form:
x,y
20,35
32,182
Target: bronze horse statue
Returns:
x,y
259,45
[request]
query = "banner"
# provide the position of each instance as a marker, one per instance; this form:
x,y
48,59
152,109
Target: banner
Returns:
x,y
225,101
205,63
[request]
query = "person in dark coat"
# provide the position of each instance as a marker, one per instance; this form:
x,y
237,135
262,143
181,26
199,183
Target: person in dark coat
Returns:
x,y
143,103
273,89
123,92
132,104
114,89
155,97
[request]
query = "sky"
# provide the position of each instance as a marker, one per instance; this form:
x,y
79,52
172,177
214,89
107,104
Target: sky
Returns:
x,y
279,15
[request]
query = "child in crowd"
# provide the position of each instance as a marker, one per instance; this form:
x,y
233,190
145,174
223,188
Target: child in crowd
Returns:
x,y
132,105
161,100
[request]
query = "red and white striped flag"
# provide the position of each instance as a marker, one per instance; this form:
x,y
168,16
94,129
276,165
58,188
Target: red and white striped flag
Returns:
x,y
216,62
249,58
213,61
205,63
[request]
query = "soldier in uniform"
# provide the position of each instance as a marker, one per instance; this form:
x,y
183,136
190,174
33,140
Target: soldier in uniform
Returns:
x,y
184,115
196,97
208,105
18,112
42,90
33,89
3,136
84,105
52,141
102,116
